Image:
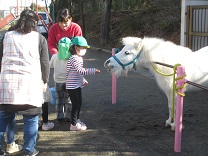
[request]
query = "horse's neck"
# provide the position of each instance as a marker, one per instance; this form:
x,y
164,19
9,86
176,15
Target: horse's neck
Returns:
x,y
145,59
149,53
150,44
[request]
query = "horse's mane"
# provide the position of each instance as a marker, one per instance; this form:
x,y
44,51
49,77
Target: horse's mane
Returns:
x,y
147,44
131,41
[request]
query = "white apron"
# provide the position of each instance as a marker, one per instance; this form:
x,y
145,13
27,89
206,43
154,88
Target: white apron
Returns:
x,y
21,80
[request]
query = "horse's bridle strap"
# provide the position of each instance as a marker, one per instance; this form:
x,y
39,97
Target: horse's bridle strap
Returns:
x,y
118,61
124,65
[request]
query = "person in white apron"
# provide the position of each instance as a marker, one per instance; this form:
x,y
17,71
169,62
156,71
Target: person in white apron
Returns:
x,y
24,68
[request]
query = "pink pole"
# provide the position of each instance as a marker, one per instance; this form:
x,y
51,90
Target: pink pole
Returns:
x,y
113,83
179,110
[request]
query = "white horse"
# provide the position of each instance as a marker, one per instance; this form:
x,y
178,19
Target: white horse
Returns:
x,y
144,52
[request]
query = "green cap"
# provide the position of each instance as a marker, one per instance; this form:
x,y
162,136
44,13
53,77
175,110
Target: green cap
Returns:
x,y
80,41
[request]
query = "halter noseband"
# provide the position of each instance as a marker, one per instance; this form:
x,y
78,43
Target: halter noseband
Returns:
x,y
132,62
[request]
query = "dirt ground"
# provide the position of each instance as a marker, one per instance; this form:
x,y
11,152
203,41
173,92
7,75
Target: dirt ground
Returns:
x,y
134,126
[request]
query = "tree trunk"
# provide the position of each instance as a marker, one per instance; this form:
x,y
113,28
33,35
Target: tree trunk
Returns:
x,y
70,7
104,35
82,17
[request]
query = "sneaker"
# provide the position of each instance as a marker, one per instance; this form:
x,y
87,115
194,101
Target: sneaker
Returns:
x,y
77,127
2,153
34,153
16,137
13,147
47,126
82,123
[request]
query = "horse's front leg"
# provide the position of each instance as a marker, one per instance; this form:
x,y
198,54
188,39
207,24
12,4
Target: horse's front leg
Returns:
x,y
170,121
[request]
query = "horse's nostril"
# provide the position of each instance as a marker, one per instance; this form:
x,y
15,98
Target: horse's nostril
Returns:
x,y
107,63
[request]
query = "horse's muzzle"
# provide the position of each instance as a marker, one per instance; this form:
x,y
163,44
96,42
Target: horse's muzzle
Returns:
x,y
108,65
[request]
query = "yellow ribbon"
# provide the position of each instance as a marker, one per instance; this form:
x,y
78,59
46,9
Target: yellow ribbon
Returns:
x,y
174,89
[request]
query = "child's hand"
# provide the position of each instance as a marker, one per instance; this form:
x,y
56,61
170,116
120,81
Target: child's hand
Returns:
x,y
97,71
85,83
44,87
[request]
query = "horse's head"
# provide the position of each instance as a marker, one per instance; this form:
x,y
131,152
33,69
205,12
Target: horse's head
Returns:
x,y
126,59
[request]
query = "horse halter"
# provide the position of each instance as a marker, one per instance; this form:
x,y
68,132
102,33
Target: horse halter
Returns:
x,y
132,62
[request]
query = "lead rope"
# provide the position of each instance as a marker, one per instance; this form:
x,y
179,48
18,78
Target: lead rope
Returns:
x,y
174,89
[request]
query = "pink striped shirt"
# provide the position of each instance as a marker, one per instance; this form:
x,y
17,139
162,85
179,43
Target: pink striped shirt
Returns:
x,y
75,72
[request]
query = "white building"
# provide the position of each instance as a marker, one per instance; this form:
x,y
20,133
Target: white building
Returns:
x,y
194,24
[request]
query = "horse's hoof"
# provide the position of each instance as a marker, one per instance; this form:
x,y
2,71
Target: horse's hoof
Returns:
x,y
172,125
172,128
167,123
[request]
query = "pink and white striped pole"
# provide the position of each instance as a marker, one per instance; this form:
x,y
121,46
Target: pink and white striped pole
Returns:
x,y
179,110
113,83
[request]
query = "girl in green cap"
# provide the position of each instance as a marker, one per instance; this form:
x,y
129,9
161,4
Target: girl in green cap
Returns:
x,y
75,80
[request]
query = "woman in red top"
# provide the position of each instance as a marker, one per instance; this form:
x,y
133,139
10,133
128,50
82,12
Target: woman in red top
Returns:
x,y
63,28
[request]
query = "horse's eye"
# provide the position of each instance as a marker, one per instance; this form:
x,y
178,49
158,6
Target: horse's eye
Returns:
x,y
127,52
